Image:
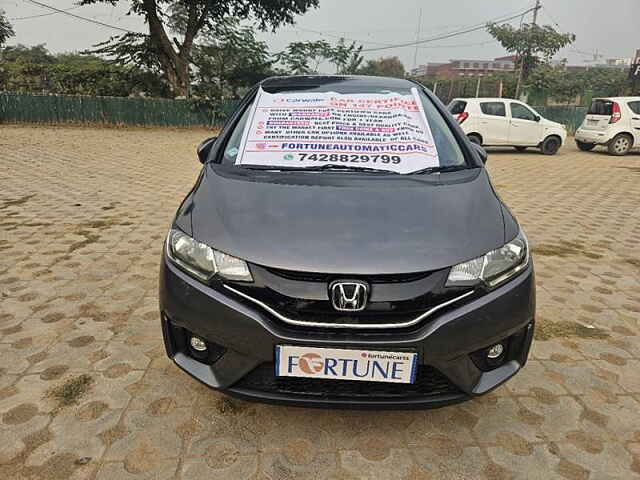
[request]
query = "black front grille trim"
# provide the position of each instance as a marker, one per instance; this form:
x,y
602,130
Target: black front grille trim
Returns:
x,y
328,277
429,382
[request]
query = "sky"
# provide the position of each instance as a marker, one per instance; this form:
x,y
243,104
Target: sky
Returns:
x,y
373,23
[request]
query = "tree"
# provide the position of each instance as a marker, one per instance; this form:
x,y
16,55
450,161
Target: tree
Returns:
x,y
384,67
6,30
36,70
23,54
174,55
533,44
566,86
301,58
346,58
229,58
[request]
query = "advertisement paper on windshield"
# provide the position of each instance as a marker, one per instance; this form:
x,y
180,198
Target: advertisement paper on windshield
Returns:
x,y
300,130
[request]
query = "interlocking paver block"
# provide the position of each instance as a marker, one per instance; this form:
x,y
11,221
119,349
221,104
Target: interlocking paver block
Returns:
x,y
83,214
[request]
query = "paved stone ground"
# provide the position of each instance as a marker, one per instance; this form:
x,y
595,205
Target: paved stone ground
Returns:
x,y
86,391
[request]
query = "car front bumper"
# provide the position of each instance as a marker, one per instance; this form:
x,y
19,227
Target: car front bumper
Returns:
x,y
248,336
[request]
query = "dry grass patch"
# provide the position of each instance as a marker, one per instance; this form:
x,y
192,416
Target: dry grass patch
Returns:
x,y
546,330
72,390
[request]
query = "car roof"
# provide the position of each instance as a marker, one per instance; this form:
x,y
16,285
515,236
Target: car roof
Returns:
x,y
327,80
487,99
620,99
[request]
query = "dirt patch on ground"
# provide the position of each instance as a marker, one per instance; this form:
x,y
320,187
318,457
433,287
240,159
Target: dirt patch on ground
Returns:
x,y
563,250
632,169
4,204
81,341
634,262
20,414
72,390
92,410
546,330
142,458
161,406
54,372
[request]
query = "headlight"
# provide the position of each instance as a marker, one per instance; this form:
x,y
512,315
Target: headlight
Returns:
x,y
495,267
204,262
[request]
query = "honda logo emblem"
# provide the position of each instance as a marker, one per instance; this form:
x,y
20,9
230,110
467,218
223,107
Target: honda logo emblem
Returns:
x,y
349,295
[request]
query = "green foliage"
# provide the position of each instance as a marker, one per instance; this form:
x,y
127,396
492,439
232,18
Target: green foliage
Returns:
x,y
566,86
346,58
190,18
23,54
36,70
533,44
384,67
301,58
269,14
6,30
130,49
228,59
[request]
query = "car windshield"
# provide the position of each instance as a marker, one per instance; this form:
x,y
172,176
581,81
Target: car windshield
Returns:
x,y
449,152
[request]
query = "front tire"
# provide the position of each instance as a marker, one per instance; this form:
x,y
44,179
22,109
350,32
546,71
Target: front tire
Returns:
x,y
551,145
620,145
585,147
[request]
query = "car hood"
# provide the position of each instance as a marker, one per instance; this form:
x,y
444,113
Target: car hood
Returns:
x,y
551,124
367,226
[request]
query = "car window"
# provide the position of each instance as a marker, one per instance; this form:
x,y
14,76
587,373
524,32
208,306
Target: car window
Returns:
x,y
635,107
449,151
457,107
232,148
601,107
520,111
497,109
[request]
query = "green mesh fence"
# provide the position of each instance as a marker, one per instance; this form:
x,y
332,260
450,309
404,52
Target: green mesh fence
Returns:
x,y
60,109
570,116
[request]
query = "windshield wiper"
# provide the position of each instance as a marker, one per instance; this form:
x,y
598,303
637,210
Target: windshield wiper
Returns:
x,y
442,169
328,166
347,168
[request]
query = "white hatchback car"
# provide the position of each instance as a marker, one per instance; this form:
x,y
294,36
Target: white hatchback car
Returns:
x,y
614,122
504,122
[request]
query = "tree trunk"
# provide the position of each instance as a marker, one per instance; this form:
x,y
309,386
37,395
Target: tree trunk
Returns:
x,y
175,64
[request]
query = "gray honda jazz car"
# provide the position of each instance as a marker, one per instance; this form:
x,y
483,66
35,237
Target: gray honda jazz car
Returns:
x,y
346,279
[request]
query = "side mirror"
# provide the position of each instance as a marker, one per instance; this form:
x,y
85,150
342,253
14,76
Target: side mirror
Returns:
x,y
204,148
482,153
537,118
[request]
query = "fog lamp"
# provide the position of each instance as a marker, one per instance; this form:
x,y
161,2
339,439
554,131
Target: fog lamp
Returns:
x,y
495,351
198,344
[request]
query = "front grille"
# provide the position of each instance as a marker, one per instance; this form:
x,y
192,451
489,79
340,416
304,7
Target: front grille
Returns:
x,y
302,298
376,313
328,277
429,382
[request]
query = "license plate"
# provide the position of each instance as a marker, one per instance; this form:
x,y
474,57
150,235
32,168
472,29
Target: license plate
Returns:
x,y
345,364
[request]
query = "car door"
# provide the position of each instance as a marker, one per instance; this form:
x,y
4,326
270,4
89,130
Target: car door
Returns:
x,y
524,128
635,120
493,123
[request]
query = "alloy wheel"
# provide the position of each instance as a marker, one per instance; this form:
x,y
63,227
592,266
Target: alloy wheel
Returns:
x,y
621,145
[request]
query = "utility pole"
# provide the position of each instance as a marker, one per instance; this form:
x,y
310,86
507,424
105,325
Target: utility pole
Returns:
x,y
522,60
535,12
415,54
